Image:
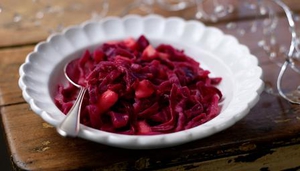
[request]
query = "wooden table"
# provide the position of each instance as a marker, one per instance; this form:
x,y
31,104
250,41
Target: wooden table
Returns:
x,y
268,138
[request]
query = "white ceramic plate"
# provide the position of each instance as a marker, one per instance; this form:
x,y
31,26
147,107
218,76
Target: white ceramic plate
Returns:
x,y
217,52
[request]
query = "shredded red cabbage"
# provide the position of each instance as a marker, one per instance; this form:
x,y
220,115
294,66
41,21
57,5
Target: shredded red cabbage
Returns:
x,y
136,89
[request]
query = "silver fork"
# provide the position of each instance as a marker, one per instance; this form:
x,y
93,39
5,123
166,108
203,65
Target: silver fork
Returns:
x,y
289,59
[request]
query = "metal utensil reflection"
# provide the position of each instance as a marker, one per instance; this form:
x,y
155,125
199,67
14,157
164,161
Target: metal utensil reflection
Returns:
x,y
289,59
70,126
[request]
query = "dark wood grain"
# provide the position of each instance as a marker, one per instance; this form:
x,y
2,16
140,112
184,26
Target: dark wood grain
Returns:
x,y
270,130
11,59
35,145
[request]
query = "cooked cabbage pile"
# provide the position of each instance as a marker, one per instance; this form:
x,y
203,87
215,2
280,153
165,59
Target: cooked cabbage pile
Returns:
x,y
137,89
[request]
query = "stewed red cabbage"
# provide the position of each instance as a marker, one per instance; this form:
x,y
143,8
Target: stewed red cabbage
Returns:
x,y
137,89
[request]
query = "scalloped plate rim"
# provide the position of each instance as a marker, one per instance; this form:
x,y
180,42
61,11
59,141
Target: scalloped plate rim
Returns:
x,y
138,142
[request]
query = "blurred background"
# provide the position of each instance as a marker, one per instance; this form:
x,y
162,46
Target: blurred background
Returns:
x,y
35,20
